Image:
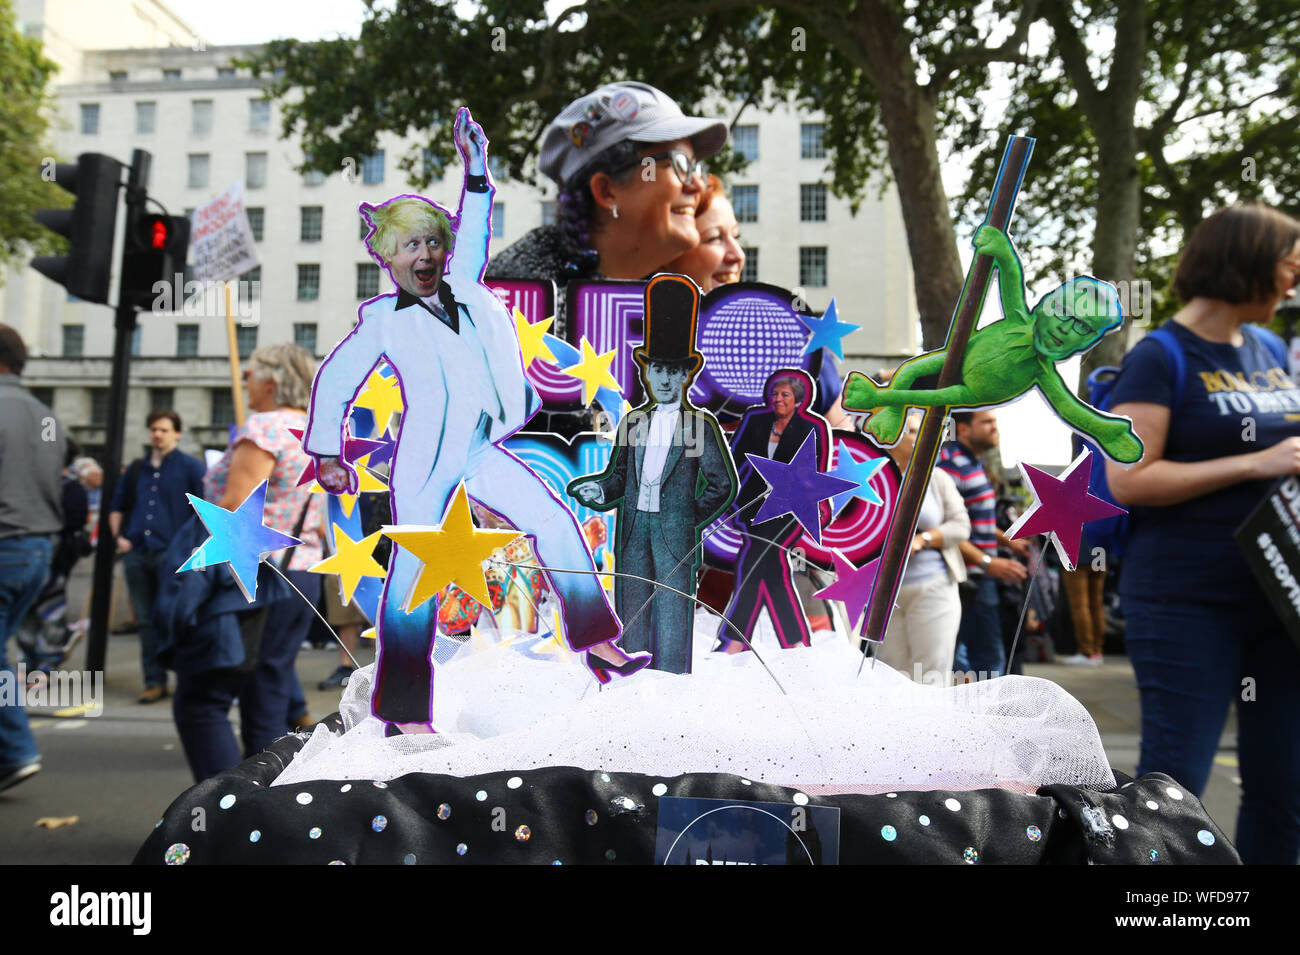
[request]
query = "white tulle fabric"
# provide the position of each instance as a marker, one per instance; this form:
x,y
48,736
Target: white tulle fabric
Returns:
x,y
526,703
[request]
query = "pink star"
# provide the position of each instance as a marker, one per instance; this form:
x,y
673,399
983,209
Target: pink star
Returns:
x,y
1061,507
852,587
353,448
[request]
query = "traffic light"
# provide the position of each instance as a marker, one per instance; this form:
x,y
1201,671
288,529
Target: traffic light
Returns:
x,y
155,252
90,226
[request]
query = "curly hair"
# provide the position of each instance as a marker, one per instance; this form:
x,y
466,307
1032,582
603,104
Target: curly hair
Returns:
x,y
576,208
290,367
401,216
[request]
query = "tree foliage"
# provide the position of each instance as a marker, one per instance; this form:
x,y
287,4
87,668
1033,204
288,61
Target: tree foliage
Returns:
x,y
24,151
1172,108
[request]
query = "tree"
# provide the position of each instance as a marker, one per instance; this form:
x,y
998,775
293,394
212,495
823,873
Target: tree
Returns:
x,y
24,154
888,74
1182,111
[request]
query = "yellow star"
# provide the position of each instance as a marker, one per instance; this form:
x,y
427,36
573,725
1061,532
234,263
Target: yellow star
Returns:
x,y
532,341
452,553
383,396
593,371
368,634
351,560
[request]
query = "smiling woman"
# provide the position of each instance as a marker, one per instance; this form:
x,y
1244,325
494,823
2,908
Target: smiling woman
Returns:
x,y
629,167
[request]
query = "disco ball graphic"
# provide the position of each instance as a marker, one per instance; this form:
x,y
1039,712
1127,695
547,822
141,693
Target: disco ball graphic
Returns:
x,y
745,335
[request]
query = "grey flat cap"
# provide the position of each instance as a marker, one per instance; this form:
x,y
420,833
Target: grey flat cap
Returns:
x,y
617,112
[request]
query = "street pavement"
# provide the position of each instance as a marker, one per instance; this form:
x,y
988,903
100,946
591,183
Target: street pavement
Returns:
x,y
117,772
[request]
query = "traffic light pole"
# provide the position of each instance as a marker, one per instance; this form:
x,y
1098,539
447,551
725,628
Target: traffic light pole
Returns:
x,y
124,323
97,647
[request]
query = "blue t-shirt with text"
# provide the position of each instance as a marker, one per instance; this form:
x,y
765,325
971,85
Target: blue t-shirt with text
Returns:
x,y
1235,400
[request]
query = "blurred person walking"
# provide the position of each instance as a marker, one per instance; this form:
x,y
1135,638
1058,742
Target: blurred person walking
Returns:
x,y
31,518
149,505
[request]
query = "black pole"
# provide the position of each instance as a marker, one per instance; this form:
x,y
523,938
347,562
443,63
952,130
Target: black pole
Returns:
x,y
102,587
124,323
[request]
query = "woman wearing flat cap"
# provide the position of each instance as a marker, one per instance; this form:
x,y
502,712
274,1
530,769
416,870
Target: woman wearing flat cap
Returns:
x,y
629,167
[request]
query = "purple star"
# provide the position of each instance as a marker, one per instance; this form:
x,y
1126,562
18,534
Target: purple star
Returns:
x,y
1061,507
798,487
852,587
353,448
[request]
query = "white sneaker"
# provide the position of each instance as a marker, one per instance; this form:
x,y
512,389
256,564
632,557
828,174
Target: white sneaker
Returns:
x,y
1075,660
1096,660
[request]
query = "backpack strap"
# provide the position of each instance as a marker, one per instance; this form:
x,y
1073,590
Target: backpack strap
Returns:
x,y
1177,362
1270,340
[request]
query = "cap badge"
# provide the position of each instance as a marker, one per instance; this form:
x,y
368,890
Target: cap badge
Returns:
x,y
580,133
623,105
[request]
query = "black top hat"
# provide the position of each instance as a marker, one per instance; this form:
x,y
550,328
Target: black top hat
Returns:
x,y
672,306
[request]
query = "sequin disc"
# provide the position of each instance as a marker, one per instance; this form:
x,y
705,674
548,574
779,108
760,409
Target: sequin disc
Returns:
x,y
523,834
304,799
924,820
379,823
1155,856
227,801
177,854
1034,833
970,856
888,833
481,795
1205,837
461,849
611,855
255,835
314,832
592,817
952,805
444,812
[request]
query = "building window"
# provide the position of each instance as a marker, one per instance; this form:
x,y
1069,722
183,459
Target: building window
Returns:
x,y
749,273
498,218
136,334
367,280
117,76
259,115
252,279
225,72
811,145
197,177
365,228
744,199
256,220
74,341
201,117
308,283
812,202
162,399
246,340
171,76
99,407
187,341
146,118
304,336
222,405
496,168
44,395
548,212
90,119
255,170
744,140
313,177
812,266
310,228
372,168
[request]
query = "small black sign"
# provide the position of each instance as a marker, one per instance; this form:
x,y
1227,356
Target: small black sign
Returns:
x,y
1270,539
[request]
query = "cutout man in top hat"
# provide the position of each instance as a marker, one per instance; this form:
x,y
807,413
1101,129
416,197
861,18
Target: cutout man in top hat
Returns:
x,y
669,476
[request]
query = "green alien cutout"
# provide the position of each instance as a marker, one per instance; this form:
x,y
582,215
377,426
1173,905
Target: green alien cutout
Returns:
x,y
1008,357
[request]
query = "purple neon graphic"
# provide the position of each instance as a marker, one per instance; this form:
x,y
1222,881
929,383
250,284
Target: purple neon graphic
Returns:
x,y
858,531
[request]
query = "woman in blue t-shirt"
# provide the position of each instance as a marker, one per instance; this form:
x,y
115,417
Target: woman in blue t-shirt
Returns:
x,y
1198,626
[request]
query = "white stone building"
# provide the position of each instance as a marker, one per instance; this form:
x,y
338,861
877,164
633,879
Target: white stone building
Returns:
x,y
133,75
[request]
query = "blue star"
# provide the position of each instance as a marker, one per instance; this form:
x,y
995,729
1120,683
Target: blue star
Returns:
x,y
860,473
827,331
797,488
239,538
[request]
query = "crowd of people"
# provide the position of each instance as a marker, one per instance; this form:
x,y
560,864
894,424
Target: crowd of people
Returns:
x,y
1195,621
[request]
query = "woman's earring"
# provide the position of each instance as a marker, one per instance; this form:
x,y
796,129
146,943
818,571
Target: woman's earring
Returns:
x,y
614,211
